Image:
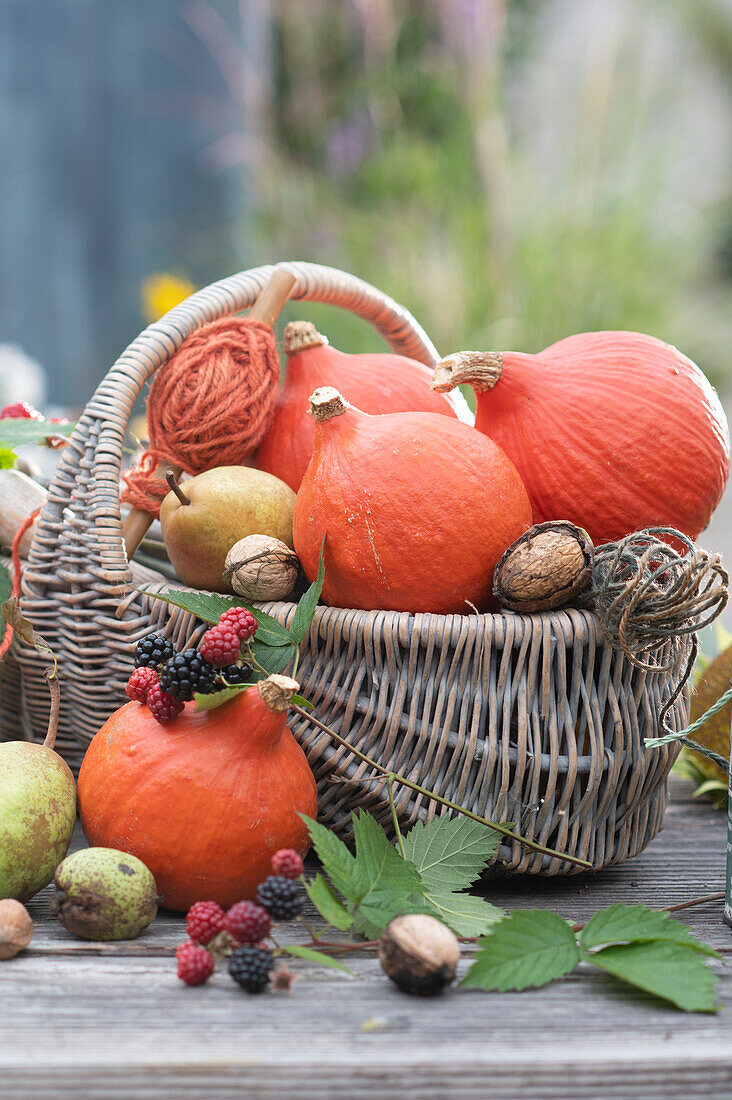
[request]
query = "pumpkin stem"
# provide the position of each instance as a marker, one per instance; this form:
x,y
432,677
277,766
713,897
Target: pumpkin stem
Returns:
x,y
301,335
51,679
480,369
276,691
326,403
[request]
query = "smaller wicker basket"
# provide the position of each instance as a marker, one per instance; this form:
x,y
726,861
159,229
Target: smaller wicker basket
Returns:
x,y
533,719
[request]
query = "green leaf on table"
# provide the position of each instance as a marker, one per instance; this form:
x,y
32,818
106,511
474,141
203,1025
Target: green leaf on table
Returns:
x,y
376,883
389,885
672,971
450,854
17,431
623,923
530,947
210,606
305,609
328,905
7,458
317,957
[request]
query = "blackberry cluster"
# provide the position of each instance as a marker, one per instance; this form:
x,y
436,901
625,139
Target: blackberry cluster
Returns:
x,y
251,967
233,674
281,897
186,673
153,651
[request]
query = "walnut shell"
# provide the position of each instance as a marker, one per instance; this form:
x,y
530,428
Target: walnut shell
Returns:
x,y
546,568
419,953
16,928
262,568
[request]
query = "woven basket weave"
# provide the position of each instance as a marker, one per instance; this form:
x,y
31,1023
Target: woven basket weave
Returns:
x,y
525,718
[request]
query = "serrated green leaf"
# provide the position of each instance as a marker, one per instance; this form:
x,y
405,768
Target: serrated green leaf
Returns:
x,y
465,914
7,458
210,606
671,971
305,609
530,947
317,956
338,863
330,908
623,923
450,853
271,658
17,431
388,884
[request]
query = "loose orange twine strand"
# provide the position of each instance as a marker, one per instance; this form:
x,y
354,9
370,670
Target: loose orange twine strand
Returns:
x,y
209,405
17,539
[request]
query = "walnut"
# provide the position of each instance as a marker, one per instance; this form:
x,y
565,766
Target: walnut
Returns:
x,y
262,568
547,567
419,953
16,928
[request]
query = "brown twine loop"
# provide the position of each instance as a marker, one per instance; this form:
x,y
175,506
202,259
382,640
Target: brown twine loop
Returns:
x,y
645,593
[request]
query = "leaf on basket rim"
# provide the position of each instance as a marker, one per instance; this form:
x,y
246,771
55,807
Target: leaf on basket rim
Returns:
x,y
210,606
305,609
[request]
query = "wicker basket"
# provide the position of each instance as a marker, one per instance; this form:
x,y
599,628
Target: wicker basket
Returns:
x,y
525,718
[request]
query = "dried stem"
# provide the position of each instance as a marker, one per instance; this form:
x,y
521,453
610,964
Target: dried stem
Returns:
x,y
175,487
53,686
395,778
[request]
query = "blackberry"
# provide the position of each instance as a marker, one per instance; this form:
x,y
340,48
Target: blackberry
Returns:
x,y
234,674
186,673
251,967
153,651
281,897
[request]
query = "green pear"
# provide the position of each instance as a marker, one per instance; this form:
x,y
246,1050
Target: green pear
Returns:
x,y
37,816
104,894
203,517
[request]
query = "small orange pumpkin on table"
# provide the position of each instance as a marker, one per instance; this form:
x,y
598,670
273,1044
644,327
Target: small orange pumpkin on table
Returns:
x,y
204,800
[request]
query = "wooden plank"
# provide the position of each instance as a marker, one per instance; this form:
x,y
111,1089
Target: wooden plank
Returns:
x,y
113,1021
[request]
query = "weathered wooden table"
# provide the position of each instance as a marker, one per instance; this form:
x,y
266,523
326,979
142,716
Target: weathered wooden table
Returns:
x,y
79,1019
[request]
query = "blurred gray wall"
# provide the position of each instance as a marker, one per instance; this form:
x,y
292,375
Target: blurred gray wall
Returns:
x,y
108,112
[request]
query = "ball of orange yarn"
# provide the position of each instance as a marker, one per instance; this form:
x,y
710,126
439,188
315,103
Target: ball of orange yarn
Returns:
x,y
209,405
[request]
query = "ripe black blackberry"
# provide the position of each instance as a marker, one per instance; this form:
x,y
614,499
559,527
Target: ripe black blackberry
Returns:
x,y
251,967
233,674
281,897
186,673
152,651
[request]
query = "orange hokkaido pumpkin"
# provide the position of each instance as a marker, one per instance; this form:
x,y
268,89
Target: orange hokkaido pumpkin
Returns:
x,y
205,800
376,383
615,431
417,508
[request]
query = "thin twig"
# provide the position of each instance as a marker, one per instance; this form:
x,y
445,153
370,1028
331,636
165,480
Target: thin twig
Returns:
x,y
503,829
719,896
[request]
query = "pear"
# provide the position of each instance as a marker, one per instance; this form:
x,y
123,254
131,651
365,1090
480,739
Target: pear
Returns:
x,y
104,894
204,516
37,811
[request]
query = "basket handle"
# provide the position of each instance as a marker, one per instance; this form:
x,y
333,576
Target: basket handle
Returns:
x,y
77,538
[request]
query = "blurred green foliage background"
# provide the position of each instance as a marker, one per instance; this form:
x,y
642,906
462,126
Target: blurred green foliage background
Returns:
x,y
511,171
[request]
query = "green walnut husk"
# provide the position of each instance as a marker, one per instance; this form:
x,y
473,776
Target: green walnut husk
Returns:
x,y
104,894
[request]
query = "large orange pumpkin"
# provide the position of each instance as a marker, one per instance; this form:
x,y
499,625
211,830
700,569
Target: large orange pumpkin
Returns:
x,y
375,382
615,431
416,508
203,801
